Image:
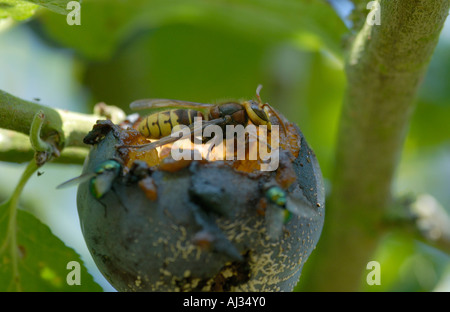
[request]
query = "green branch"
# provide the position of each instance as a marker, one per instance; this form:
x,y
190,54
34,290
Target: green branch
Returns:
x,y
54,131
384,69
17,114
16,147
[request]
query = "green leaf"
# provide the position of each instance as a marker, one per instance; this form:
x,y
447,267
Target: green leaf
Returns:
x,y
312,24
57,6
31,257
40,262
18,10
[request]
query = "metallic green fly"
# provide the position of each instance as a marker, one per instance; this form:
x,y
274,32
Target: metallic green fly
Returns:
x,y
280,209
100,181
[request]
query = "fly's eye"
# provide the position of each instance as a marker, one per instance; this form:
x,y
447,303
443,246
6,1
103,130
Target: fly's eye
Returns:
x,y
109,165
276,196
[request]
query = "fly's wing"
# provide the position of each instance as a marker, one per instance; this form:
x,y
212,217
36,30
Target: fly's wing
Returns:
x,y
300,207
173,138
167,103
274,217
77,180
278,216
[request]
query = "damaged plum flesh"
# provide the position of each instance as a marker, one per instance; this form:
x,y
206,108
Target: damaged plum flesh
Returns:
x,y
198,225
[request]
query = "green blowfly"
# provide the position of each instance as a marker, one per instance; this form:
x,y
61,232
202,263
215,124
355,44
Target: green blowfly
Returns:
x,y
100,181
280,209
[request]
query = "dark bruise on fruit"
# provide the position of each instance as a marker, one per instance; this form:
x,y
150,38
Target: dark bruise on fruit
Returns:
x,y
198,225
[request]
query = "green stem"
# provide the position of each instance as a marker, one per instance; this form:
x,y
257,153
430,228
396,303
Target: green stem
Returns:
x,y
11,234
35,134
44,151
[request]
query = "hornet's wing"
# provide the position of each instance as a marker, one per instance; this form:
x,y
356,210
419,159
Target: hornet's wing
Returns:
x,y
167,103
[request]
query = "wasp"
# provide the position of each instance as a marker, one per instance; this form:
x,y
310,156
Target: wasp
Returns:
x,y
100,180
160,125
280,209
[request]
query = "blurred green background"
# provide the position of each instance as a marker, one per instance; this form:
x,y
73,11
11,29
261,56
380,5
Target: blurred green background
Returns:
x,y
205,52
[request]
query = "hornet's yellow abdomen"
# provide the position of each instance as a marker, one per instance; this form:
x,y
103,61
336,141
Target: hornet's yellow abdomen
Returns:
x,y
159,125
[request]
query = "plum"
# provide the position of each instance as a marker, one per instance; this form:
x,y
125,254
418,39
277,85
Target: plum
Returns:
x,y
197,225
